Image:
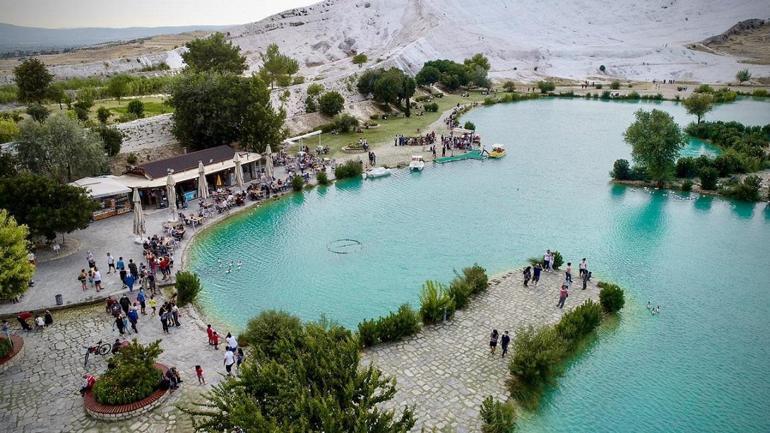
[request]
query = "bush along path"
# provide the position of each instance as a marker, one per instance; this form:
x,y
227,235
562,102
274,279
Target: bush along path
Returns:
x,y
446,370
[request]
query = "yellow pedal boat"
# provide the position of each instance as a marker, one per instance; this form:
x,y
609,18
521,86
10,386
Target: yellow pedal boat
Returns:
x,y
498,151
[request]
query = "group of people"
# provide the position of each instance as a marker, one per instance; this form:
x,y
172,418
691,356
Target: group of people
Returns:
x,y
505,341
233,354
532,273
372,159
41,320
421,140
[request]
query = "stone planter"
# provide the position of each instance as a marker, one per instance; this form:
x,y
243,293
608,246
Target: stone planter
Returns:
x,y
14,356
107,412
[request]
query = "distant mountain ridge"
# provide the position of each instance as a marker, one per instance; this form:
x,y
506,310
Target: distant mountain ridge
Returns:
x,y
31,39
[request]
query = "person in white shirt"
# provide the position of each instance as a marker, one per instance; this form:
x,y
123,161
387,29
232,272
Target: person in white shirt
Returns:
x,y
583,266
110,264
229,361
232,343
97,279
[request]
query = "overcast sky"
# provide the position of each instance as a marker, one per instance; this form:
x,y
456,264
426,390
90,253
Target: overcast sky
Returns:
x,y
139,13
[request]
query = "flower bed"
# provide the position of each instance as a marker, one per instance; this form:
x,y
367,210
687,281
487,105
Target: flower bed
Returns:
x,y
11,357
124,411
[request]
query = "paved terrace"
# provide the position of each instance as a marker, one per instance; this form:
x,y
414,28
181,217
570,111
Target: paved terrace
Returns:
x,y
446,371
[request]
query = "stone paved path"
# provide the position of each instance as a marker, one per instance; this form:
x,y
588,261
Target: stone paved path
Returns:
x,y
446,371
40,393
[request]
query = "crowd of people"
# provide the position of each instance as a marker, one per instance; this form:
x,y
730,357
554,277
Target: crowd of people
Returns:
x,y
420,140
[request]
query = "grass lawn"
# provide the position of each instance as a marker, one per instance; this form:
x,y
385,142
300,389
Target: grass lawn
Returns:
x,y
388,129
153,106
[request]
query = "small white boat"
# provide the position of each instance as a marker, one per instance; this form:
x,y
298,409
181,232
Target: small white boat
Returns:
x,y
417,164
376,172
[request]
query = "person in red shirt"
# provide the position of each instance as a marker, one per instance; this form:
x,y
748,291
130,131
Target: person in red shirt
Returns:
x,y
88,384
210,332
215,340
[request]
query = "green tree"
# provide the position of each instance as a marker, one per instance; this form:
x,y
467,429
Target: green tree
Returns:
x,y
136,107
546,86
656,141
497,417
509,86
331,103
188,285
103,114
46,206
276,65
212,109
60,148
15,270
214,54
8,165
8,130
38,112
306,380
469,125
478,59
743,75
360,59
311,102
133,377
112,139
428,75
699,104
32,80
119,86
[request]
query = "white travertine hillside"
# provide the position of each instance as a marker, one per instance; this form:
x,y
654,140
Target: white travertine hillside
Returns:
x,y
635,39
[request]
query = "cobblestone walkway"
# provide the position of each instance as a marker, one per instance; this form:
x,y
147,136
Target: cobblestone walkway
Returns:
x,y
446,371
39,393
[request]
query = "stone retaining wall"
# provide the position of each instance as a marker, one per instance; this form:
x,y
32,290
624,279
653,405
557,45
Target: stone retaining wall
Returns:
x,y
15,355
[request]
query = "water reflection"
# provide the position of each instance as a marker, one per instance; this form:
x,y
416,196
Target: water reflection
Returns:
x,y
704,202
744,210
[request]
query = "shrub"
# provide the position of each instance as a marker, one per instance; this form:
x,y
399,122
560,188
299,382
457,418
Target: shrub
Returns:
x,y
322,178
687,185
743,75
5,347
350,169
188,285
747,190
611,297
621,170
615,85
605,94
460,292
579,322
393,327
546,86
536,356
431,107
686,167
38,112
558,260
497,417
704,88
331,103
708,178
132,158
476,277
435,303
299,79
598,86
134,376
760,93
112,138
509,86
469,125
633,95
297,183
136,107
267,331
345,123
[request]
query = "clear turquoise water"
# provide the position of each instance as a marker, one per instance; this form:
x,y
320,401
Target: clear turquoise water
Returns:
x,y
700,366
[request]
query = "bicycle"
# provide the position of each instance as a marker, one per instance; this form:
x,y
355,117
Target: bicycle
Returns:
x,y
99,348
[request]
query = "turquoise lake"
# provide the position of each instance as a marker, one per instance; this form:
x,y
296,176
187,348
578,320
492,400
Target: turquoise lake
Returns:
x,y
701,365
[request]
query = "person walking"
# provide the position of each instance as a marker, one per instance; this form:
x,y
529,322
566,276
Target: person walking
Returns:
x,y
90,259
546,259
493,341
124,303
133,317
536,273
229,361
215,340
563,293
129,282
551,258
164,318
239,357
82,278
142,301
232,343
121,267
583,267
527,275
175,314
210,334
568,273
153,303
110,264
505,340
119,324
586,279
132,269
199,374
97,279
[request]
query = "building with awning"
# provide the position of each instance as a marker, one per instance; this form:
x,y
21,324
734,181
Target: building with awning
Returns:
x,y
111,194
219,168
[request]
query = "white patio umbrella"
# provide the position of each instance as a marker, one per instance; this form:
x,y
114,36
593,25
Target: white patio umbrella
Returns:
x,y
203,187
139,229
238,171
171,195
269,163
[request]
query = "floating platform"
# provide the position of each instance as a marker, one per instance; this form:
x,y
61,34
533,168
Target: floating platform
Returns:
x,y
473,154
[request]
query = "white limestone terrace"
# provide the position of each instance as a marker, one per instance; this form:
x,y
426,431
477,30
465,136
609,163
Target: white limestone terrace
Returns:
x,y
634,40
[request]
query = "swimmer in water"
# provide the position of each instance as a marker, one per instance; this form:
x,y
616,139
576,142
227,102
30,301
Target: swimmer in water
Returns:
x,y
649,305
